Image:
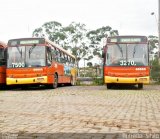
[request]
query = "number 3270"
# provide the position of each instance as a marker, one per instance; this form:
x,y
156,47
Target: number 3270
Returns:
x,y
127,63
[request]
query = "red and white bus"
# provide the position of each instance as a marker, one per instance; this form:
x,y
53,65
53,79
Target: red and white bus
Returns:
x,y
38,61
126,61
3,47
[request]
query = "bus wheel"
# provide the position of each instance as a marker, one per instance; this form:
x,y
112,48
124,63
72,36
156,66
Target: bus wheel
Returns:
x,y
109,86
55,84
140,86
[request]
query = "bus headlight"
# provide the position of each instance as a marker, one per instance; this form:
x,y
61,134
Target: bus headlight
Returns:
x,y
40,79
142,79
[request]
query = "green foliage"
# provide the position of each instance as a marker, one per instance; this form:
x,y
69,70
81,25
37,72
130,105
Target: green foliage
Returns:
x,y
78,82
153,43
52,30
155,70
96,38
98,81
76,33
93,81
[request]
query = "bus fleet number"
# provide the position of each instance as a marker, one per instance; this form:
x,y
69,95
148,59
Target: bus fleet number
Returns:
x,y
18,65
127,63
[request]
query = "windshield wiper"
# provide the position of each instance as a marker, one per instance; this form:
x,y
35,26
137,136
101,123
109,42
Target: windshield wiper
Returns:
x,y
134,51
20,51
120,48
31,50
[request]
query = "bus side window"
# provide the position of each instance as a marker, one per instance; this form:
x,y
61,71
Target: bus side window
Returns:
x,y
73,62
66,60
54,54
59,56
63,58
69,60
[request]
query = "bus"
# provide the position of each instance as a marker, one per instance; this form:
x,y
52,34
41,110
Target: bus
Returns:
x,y
3,47
39,61
126,61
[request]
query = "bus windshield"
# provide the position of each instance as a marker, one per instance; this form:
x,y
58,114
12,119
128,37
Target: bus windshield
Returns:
x,y
127,55
26,56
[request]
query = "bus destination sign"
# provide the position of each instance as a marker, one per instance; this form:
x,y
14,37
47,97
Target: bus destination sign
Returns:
x,y
130,39
126,40
29,42
15,42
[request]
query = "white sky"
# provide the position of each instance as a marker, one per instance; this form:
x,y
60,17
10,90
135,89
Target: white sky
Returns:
x,y
19,18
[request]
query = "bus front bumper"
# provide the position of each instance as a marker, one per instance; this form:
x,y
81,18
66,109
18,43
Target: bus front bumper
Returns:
x,y
135,80
35,80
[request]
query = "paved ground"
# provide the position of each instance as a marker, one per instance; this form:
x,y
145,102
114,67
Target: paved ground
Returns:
x,y
80,109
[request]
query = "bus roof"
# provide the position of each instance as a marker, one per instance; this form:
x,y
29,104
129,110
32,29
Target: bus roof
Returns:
x,y
2,45
45,40
60,48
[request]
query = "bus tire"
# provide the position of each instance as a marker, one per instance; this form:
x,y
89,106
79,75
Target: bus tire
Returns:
x,y
109,85
140,86
55,83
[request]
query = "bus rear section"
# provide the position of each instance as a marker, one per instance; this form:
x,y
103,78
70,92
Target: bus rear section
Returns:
x,y
126,61
3,47
34,62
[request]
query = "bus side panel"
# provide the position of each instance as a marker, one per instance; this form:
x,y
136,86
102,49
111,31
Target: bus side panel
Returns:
x,y
58,69
50,74
70,74
2,74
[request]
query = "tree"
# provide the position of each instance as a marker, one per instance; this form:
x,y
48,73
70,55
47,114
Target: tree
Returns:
x,y
155,70
155,66
153,46
97,38
52,30
76,39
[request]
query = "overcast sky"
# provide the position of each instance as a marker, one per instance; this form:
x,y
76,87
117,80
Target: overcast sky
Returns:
x,y
19,18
